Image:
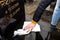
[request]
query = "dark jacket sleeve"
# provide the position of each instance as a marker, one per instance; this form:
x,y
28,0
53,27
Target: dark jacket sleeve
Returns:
x,y
40,9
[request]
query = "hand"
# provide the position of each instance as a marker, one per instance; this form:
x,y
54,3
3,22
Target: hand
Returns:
x,y
29,27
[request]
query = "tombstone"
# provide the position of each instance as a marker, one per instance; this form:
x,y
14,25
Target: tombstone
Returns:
x,y
12,17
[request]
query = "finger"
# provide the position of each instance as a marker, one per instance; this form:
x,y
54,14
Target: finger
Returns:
x,y
26,28
29,30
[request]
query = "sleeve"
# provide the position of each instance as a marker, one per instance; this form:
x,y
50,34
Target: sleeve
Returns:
x,y
40,9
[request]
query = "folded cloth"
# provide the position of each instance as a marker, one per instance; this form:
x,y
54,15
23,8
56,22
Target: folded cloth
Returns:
x,y
20,32
24,32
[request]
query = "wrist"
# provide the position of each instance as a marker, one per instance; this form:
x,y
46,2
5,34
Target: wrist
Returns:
x,y
34,22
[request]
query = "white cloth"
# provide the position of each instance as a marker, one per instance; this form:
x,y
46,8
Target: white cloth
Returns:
x,y
23,32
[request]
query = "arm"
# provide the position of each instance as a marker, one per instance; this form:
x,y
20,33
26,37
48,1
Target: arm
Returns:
x,y
38,14
42,6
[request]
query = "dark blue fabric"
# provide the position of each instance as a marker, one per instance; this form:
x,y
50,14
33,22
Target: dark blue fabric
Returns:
x,y
40,9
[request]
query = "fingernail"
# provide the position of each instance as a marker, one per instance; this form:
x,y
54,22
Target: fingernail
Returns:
x,y
27,31
23,29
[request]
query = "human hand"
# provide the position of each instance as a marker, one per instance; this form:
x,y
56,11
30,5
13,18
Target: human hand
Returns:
x,y
29,27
